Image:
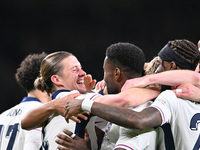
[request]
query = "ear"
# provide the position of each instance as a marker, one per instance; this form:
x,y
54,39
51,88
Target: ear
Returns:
x,y
117,73
56,80
173,66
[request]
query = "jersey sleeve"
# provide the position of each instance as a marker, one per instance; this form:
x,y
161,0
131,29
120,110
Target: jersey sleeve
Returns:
x,y
165,104
134,139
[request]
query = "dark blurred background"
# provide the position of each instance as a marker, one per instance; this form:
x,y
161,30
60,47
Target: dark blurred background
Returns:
x,y
86,28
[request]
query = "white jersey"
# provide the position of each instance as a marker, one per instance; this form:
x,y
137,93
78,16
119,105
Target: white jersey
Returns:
x,y
184,118
111,136
12,136
56,123
130,139
120,137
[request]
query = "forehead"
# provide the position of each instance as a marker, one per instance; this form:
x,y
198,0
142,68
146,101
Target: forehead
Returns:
x,y
107,64
159,59
70,62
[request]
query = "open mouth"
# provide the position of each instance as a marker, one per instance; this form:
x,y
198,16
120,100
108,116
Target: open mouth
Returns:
x,y
80,82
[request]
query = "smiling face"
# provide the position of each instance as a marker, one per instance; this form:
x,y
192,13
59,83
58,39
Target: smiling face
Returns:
x,y
72,76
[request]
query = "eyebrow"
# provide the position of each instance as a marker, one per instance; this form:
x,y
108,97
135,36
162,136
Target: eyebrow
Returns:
x,y
77,66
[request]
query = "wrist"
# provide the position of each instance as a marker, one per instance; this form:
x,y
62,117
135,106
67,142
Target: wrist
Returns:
x,y
53,105
149,80
87,104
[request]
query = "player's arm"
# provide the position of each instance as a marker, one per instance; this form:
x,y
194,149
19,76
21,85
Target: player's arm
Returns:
x,y
36,117
173,78
147,118
137,97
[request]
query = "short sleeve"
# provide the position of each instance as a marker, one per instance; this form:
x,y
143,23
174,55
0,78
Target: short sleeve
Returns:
x,y
165,104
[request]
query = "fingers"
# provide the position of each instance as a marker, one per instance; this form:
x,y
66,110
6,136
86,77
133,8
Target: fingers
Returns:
x,y
178,90
86,135
93,83
75,119
89,82
88,78
82,116
65,113
67,118
75,95
100,85
69,133
63,139
61,148
181,92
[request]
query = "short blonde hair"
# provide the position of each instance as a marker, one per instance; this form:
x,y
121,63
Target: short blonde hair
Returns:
x,y
151,67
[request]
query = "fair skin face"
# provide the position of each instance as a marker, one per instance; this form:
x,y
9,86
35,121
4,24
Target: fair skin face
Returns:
x,y
71,77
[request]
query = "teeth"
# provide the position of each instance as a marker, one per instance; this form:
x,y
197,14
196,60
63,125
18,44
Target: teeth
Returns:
x,y
81,82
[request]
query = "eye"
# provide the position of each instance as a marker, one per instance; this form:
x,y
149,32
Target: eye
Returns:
x,y
157,64
74,69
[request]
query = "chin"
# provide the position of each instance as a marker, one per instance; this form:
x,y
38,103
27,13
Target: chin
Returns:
x,y
82,89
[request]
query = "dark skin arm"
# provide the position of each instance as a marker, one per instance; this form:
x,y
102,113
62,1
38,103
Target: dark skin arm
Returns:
x,y
148,118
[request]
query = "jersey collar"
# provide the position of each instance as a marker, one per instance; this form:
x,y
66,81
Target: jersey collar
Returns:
x,y
57,92
28,99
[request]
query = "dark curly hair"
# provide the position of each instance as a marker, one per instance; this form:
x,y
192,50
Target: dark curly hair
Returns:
x,y
128,57
29,70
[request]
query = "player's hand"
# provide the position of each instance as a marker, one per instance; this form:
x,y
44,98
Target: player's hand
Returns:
x,y
73,108
66,142
100,85
60,103
89,82
136,82
74,118
188,91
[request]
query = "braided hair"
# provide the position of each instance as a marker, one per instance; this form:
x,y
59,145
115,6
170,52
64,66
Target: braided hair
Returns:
x,y
185,49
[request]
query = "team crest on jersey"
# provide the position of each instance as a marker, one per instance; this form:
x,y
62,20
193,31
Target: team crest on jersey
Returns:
x,y
162,101
129,132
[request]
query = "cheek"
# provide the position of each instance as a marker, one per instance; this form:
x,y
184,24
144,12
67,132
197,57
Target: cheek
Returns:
x,y
105,77
159,69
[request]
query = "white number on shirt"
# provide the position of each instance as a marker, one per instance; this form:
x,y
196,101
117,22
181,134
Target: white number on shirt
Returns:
x,y
194,126
10,133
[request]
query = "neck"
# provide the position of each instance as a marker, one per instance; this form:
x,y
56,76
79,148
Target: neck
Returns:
x,y
43,97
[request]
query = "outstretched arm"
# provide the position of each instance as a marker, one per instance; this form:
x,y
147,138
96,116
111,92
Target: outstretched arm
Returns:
x,y
173,78
36,117
148,118
129,98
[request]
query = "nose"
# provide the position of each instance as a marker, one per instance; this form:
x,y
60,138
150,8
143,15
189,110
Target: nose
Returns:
x,y
159,69
82,73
